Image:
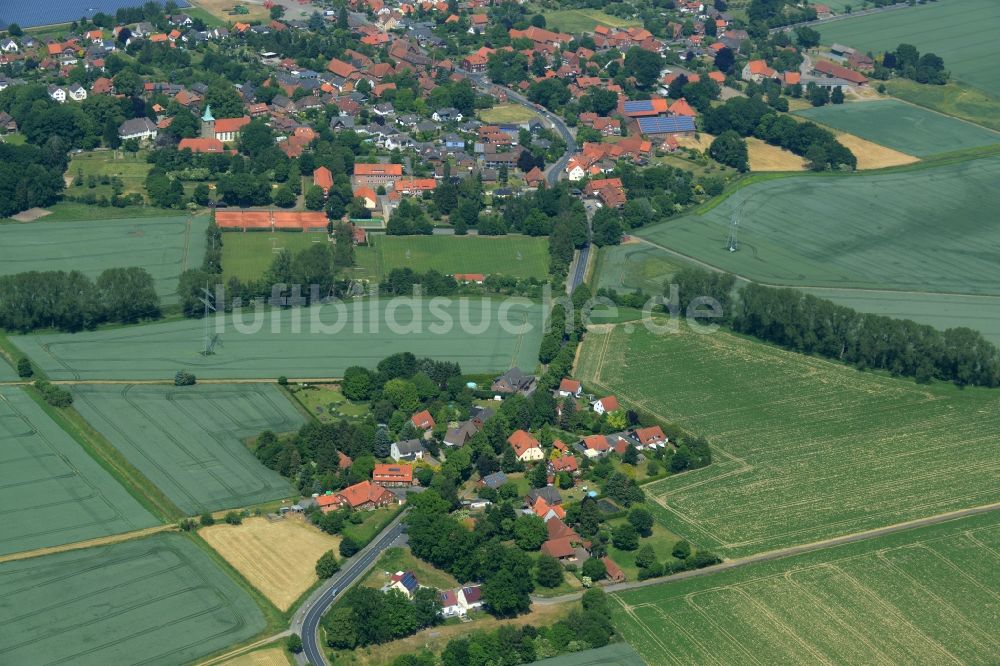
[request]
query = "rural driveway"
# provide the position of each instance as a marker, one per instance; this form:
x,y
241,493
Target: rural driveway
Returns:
x,y
781,553
306,619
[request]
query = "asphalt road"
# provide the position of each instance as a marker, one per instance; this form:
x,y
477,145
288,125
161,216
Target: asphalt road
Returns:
x,y
306,622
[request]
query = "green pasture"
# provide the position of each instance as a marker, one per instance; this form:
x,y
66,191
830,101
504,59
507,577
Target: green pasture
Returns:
x,y
963,32
575,21
919,229
942,311
189,441
164,246
248,255
921,596
901,126
616,654
507,113
633,267
52,492
327,403
953,99
515,256
804,449
329,339
132,169
156,601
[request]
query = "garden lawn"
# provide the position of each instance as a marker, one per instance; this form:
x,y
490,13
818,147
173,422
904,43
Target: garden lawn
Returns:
x,y
374,522
52,492
662,541
401,559
507,113
189,441
164,246
922,228
962,32
514,256
921,596
904,127
157,601
804,449
327,403
157,351
248,255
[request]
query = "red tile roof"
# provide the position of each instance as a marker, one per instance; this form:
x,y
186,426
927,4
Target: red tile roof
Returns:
x,y
650,435
226,125
393,473
423,420
569,385
361,169
522,441
364,492
322,177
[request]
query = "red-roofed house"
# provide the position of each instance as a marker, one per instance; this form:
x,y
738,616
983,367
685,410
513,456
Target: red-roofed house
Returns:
x,y
564,463
368,195
323,177
341,68
682,108
201,145
829,69
365,496
570,387
374,175
393,475
606,404
651,437
758,70
423,420
525,446
614,572
595,445
228,129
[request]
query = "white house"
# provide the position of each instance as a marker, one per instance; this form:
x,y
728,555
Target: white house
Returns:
x,y
137,128
405,582
9,46
470,597
526,447
606,404
77,92
446,114
570,387
575,171
58,94
450,606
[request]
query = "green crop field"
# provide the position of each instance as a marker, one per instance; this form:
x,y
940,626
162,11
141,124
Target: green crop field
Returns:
x,y
7,372
960,31
517,256
247,256
163,246
575,21
942,311
904,127
156,601
921,596
632,267
189,441
953,99
52,492
805,449
328,340
920,229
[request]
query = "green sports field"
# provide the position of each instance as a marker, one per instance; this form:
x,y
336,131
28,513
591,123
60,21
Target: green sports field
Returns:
x,y
942,311
805,449
189,441
921,596
157,601
248,255
328,341
904,127
517,256
919,229
164,246
632,267
51,491
963,32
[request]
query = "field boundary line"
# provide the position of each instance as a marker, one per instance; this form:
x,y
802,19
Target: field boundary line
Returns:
x,y
89,543
782,625
628,610
240,651
690,602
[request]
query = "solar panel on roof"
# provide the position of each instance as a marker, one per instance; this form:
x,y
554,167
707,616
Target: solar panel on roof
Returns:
x,y
666,125
634,106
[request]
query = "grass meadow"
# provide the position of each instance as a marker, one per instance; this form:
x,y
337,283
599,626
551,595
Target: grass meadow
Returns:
x,y
953,99
189,441
164,246
157,601
901,126
507,113
248,255
960,31
131,168
516,256
52,492
357,334
921,596
913,229
576,21
805,449
633,267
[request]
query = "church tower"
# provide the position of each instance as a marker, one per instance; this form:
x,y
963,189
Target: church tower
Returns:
x,y
208,123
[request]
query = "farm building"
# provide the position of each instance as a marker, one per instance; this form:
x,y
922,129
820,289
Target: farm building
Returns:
x,y
393,476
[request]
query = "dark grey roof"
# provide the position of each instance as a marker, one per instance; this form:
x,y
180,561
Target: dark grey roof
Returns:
x,y
548,493
409,446
495,480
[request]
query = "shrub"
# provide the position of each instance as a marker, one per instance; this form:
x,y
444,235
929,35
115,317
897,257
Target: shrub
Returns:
x,y
187,525
54,395
234,518
594,569
348,547
24,369
207,519
183,378
682,550
327,565
283,380
294,644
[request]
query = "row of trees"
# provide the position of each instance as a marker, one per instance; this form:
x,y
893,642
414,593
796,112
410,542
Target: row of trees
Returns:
x,y
73,302
751,116
369,617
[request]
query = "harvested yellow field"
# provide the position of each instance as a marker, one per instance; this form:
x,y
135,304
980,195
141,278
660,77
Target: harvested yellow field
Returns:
x,y
221,9
872,155
765,157
699,141
273,656
278,558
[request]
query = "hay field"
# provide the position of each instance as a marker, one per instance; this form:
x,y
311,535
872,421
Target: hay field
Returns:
x,y
278,558
805,449
963,32
515,256
903,127
247,256
765,157
164,246
189,441
871,155
922,596
272,656
154,601
274,347
51,491
922,229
